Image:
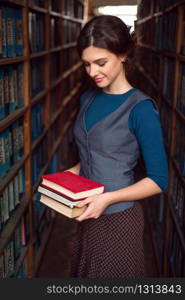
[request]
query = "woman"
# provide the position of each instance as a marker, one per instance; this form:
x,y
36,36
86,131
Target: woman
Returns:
x,y
116,124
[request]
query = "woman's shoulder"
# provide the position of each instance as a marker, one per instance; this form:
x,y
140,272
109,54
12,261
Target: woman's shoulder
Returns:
x,y
84,96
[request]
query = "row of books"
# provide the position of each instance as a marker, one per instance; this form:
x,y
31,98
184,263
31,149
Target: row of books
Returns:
x,y
36,32
56,161
69,58
39,3
166,117
181,90
168,78
161,30
37,83
62,61
147,8
72,8
11,146
178,199
11,197
179,150
12,252
40,157
150,61
63,31
70,31
11,89
37,115
11,32
183,42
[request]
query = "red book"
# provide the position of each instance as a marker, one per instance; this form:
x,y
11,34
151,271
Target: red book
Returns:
x,y
72,185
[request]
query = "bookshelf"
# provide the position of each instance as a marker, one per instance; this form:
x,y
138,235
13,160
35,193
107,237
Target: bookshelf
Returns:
x,y
40,83
161,67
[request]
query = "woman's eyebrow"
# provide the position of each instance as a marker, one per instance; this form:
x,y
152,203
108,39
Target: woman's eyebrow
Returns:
x,y
96,61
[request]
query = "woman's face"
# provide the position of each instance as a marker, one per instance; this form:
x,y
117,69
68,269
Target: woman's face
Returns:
x,y
103,66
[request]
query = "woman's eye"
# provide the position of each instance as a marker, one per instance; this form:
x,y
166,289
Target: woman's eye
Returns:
x,y
102,64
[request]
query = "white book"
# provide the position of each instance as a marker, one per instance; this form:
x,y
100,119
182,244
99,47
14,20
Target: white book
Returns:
x,y
57,197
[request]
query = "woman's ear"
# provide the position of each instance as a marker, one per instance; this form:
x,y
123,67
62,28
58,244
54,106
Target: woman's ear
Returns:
x,y
123,59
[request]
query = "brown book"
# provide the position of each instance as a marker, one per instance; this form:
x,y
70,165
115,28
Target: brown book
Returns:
x,y
62,208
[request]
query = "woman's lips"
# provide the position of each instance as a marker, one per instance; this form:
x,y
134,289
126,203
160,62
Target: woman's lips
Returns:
x,y
99,79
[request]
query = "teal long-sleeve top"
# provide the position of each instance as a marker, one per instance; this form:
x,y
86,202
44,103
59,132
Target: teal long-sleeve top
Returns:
x,y
144,123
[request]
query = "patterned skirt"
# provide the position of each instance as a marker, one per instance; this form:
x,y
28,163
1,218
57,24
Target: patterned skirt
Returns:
x,y
110,246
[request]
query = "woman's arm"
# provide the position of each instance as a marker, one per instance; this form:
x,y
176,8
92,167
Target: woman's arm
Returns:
x,y
144,188
75,169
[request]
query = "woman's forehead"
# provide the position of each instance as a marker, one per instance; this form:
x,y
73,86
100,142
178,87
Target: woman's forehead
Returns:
x,y
95,53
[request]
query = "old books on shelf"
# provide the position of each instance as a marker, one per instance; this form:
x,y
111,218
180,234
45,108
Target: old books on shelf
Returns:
x,y
61,191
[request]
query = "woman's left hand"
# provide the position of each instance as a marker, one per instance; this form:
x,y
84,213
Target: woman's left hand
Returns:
x,y
95,206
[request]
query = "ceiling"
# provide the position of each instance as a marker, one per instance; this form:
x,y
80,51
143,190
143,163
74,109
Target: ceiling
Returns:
x,y
98,3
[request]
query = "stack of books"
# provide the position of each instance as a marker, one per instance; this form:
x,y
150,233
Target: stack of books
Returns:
x,y
61,191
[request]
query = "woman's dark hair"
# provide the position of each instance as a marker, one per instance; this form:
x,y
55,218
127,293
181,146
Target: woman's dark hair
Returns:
x,y
108,32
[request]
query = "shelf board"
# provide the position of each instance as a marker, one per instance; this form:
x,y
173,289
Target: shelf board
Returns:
x,y
176,167
12,172
13,60
161,13
38,97
38,9
71,94
69,45
72,19
143,71
21,258
39,54
168,103
65,75
161,52
12,117
180,114
9,229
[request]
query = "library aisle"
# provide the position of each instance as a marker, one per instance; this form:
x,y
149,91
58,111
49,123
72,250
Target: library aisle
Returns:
x,y
41,80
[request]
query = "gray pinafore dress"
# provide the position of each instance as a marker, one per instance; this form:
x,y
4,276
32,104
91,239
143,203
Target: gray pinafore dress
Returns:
x,y
112,245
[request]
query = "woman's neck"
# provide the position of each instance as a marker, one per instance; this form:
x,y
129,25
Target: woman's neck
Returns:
x,y
119,86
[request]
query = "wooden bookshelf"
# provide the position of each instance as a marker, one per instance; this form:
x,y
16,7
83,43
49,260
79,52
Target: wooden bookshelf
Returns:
x,y
36,116
160,31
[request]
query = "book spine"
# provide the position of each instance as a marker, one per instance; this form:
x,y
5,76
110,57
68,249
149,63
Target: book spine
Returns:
x,y
2,267
1,31
19,32
2,98
9,259
20,80
11,197
5,154
16,190
4,35
10,28
12,96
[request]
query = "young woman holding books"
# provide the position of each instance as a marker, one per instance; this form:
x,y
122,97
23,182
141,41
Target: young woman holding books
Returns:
x,y
116,124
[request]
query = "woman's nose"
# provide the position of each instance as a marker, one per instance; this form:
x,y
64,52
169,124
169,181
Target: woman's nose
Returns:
x,y
93,71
